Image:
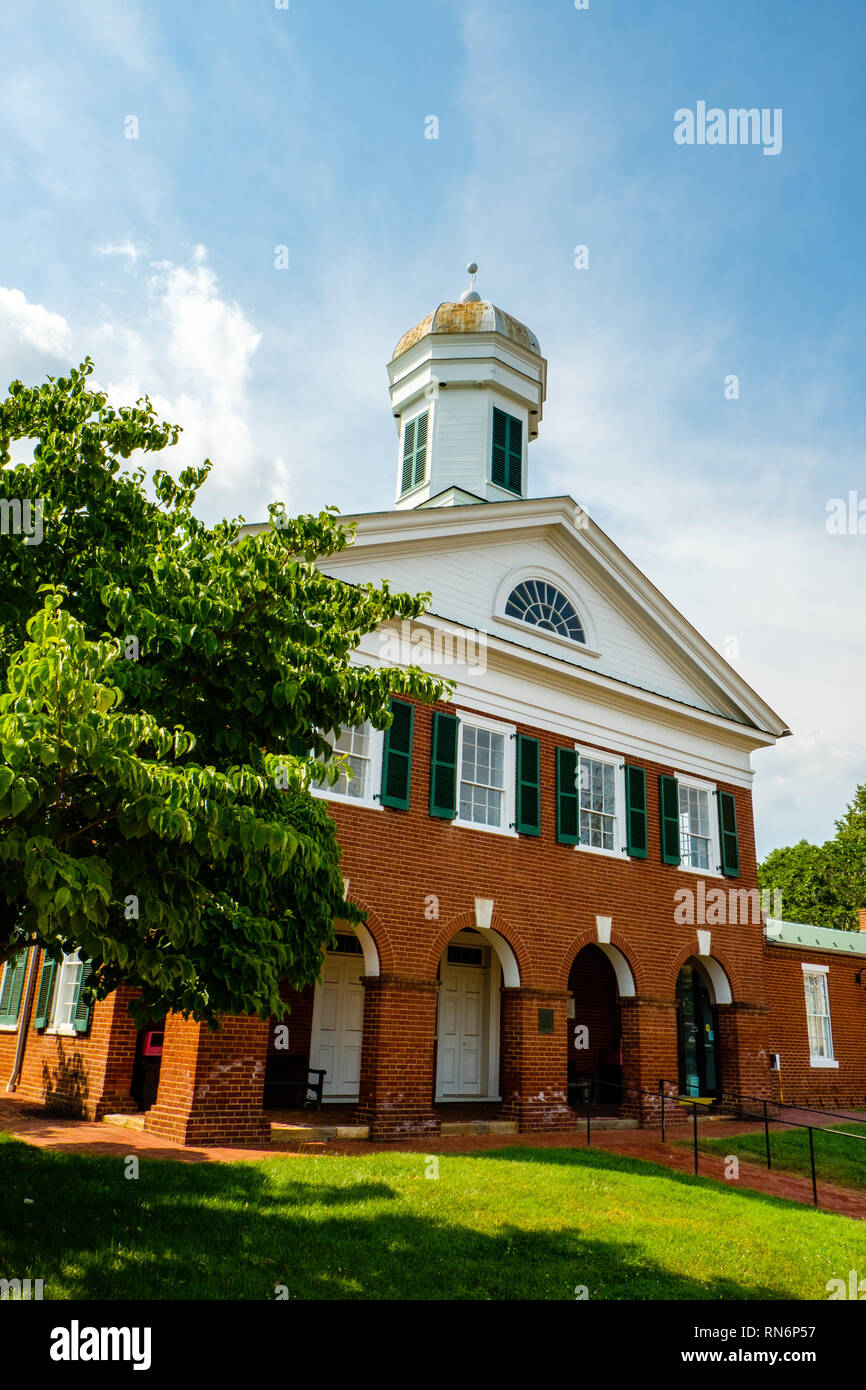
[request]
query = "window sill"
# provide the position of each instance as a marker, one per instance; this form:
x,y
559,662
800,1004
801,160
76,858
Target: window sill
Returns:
x,y
605,853
702,873
9,1027
67,1031
827,1062
583,648
347,800
485,829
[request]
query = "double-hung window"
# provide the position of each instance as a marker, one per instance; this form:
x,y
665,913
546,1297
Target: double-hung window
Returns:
x,y
601,801
66,993
818,1016
596,781
361,751
697,827
485,775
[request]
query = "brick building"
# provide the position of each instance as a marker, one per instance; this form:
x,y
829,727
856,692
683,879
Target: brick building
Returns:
x,y
557,864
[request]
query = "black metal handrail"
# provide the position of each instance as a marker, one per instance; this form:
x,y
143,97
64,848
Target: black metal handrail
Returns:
x,y
664,1097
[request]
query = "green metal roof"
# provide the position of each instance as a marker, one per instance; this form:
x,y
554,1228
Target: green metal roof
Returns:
x,y
844,943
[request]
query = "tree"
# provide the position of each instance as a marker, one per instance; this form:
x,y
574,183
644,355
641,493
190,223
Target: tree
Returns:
x,y
216,665
824,885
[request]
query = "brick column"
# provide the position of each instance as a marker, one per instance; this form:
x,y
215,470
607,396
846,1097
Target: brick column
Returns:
x,y
533,1065
649,1054
744,1050
119,1057
211,1083
397,1077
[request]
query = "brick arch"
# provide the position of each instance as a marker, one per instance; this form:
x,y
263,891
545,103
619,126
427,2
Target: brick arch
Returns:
x,y
379,936
686,954
498,923
589,937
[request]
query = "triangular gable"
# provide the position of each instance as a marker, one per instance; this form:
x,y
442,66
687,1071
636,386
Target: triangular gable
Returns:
x,y
467,555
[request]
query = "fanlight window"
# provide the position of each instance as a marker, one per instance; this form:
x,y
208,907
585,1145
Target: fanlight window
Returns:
x,y
542,605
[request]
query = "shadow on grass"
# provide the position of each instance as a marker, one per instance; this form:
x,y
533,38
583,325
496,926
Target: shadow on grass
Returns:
x,y
239,1231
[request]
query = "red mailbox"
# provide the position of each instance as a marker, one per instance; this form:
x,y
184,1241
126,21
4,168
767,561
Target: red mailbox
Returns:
x,y
151,1044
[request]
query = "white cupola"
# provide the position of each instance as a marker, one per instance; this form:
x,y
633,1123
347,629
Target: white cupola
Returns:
x,y
467,387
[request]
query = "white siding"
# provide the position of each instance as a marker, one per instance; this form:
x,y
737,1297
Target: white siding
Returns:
x,y
464,583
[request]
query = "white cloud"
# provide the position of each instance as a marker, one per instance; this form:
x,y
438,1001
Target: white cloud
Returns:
x,y
33,324
126,248
191,350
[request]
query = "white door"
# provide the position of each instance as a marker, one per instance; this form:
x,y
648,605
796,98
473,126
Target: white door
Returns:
x,y
338,1019
461,1031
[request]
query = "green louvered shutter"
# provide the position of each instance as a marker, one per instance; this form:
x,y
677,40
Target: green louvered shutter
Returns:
x,y
635,811
669,819
528,785
13,985
443,766
420,469
567,802
507,461
728,835
415,451
46,990
397,757
81,1009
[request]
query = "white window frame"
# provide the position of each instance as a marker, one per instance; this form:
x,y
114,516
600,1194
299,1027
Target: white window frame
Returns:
x,y
509,773
821,972
71,964
715,870
617,761
372,800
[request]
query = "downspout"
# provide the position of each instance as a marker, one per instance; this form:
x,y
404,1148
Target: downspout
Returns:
x,y
24,1022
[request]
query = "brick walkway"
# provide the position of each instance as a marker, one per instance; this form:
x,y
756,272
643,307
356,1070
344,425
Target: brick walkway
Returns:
x,y
27,1122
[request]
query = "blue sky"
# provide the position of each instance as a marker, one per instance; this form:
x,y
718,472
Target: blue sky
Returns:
x,y
304,127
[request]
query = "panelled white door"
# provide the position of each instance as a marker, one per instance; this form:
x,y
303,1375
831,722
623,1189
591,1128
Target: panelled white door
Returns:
x,y
338,1020
461,1030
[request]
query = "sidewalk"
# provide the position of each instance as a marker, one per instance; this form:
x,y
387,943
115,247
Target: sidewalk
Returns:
x,y
24,1120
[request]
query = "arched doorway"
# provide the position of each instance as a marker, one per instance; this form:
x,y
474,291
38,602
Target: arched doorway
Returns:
x,y
595,983
468,1019
337,1025
697,1032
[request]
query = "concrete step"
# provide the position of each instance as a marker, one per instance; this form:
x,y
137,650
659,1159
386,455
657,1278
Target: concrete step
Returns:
x,y
293,1134
135,1121
451,1127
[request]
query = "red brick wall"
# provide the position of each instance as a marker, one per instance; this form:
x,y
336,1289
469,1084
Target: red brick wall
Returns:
x,y
800,1082
407,866
418,877
86,1074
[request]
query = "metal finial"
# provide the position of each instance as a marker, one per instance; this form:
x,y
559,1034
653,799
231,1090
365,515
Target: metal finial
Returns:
x,y
470,296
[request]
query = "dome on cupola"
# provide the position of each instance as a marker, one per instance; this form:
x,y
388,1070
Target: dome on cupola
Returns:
x,y
467,387
474,316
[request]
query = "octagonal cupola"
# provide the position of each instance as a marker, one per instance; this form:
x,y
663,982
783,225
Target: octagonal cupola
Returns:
x,y
467,388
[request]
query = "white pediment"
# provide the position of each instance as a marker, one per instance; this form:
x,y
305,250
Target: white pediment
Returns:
x,y
470,557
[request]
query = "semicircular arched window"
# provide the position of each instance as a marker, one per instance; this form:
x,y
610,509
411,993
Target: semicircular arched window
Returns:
x,y
540,604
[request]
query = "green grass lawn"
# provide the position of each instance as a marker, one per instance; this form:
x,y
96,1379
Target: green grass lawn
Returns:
x,y
837,1158
510,1224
